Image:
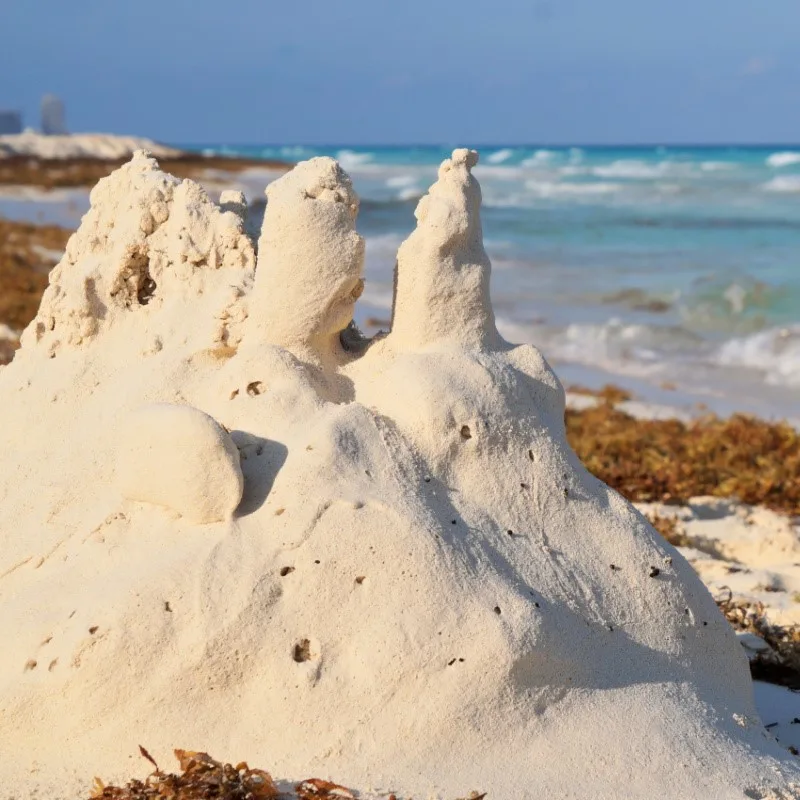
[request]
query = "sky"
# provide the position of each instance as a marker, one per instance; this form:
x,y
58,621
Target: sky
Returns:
x,y
410,71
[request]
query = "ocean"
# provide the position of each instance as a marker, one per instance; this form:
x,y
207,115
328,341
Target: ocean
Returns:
x,y
674,271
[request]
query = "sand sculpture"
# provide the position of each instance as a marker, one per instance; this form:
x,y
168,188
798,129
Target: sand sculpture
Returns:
x,y
422,591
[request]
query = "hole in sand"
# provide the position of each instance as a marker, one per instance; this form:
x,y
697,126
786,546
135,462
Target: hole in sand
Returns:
x,y
146,291
285,571
466,433
360,579
255,388
29,665
302,651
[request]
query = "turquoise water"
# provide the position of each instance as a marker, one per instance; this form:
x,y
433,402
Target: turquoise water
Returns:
x,y
662,266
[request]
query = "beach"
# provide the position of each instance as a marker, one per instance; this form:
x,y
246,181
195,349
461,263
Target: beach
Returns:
x,y
624,267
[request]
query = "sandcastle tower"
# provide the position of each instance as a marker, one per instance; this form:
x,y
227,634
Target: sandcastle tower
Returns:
x,y
310,259
442,282
422,592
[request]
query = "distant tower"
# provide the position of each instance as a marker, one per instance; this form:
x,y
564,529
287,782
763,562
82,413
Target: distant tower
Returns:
x,y
53,122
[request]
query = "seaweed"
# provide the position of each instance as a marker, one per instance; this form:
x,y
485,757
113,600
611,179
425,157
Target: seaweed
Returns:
x,y
201,778
741,457
204,778
780,664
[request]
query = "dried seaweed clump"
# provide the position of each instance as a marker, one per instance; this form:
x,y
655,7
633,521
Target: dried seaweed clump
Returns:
x,y
740,457
203,778
781,662
23,268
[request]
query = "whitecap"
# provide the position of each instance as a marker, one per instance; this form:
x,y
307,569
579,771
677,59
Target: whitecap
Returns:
x,y
540,157
401,181
349,159
775,352
785,159
411,193
499,156
631,349
633,169
785,184
555,189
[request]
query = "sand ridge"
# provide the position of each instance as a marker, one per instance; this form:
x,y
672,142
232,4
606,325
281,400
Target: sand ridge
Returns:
x,y
422,590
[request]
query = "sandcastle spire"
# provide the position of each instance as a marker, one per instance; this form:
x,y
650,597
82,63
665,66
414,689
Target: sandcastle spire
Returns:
x,y
310,262
442,280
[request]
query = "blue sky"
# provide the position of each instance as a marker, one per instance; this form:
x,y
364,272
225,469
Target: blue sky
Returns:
x,y
402,71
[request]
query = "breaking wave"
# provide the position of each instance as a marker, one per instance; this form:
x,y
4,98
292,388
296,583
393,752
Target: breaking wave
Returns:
x,y
774,352
778,160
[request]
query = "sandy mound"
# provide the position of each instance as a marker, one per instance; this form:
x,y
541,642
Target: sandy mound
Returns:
x,y
421,591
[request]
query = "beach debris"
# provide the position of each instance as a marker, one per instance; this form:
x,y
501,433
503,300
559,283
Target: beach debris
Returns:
x,y
672,461
315,787
201,777
773,650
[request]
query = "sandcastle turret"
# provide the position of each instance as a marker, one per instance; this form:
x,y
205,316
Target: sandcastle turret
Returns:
x,y
442,280
310,261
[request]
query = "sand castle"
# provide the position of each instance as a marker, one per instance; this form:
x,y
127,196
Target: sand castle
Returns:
x,y
223,526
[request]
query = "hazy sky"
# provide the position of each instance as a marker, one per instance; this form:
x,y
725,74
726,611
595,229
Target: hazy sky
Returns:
x,y
401,71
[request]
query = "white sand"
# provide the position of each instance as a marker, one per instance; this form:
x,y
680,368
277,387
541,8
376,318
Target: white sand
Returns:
x,y
752,552
79,145
416,593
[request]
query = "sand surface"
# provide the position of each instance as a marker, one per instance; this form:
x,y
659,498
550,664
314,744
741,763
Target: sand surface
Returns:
x,y
752,552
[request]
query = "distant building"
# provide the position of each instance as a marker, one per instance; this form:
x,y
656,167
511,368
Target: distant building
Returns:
x,y
10,122
53,121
